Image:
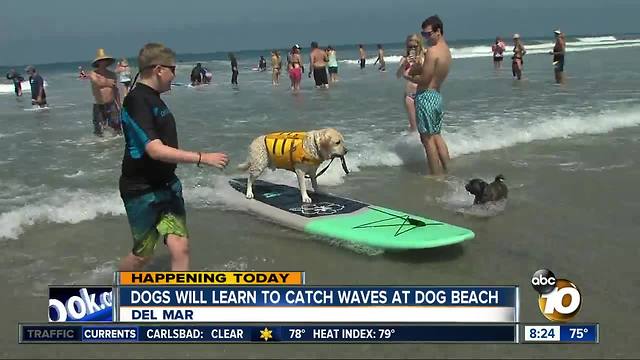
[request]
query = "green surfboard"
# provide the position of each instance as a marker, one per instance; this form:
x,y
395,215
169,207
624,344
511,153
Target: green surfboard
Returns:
x,y
349,220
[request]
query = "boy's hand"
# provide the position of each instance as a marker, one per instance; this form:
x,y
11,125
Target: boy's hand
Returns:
x,y
219,160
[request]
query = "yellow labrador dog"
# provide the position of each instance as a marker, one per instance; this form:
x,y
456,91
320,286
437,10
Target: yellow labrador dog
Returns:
x,y
300,152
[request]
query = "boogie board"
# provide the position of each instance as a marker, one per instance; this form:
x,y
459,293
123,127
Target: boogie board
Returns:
x,y
349,220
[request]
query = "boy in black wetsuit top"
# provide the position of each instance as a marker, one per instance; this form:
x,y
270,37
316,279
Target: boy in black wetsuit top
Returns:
x,y
150,190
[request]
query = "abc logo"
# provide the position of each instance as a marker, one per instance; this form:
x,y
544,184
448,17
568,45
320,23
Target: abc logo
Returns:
x,y
559,299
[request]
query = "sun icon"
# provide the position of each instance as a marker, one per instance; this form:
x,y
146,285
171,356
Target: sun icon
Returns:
x,y
266,334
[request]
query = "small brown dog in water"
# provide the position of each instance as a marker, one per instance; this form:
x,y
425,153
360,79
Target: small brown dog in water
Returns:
x,y
484,192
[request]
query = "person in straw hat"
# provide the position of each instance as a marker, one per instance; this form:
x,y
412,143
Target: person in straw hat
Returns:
x,y
106,109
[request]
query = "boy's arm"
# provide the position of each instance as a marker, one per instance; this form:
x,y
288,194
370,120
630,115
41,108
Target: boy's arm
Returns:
x,y
161,152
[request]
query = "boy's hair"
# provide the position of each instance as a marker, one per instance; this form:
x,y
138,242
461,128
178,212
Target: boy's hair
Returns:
x,y
155,54
435,22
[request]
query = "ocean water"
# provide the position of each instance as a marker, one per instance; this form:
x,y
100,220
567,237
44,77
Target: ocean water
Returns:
x,y
568,153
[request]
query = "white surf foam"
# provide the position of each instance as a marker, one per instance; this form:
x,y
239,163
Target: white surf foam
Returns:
x,y
26,87
60,206
583,44
496,136
596,39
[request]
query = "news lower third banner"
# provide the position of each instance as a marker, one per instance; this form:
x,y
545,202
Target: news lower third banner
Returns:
x,y
340,333
313,304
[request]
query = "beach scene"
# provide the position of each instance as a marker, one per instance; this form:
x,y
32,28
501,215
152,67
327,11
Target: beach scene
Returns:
x,y
568,151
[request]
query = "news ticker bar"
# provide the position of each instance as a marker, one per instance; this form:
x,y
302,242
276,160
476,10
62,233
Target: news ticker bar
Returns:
x,y
309,333
103,333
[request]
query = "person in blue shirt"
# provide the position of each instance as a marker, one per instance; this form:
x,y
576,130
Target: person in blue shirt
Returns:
x,y
38,96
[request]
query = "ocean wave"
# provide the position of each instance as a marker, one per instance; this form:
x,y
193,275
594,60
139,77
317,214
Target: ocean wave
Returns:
x,y
66,206
491,137
602,43
592,39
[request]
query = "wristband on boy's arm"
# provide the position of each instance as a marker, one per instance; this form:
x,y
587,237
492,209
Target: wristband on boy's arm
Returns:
x,y
199,159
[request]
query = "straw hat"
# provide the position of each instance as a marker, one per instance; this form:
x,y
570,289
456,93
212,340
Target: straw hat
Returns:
x,y
102,55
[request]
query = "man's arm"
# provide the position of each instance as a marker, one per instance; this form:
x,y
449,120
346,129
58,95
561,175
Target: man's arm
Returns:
x,y
41,91
101,81
428,70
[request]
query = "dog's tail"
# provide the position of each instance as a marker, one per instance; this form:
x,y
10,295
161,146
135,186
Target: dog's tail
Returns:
x,y
244,166
499,178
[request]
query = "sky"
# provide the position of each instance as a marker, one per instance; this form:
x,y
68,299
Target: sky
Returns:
x,y
48,31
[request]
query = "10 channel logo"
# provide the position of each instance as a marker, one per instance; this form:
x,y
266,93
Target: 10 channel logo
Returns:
x,y
559,299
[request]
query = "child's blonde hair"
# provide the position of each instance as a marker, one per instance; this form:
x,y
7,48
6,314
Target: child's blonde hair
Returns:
x,y
155,54
418,39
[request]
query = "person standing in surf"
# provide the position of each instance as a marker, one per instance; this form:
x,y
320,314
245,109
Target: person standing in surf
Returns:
x,y
106,108
17,81
38,96
558,53
383,66
124,76
333,64
414,52
318,65
498,52
234,69
149,187
295,68
517,60
276,65
363,56
430,75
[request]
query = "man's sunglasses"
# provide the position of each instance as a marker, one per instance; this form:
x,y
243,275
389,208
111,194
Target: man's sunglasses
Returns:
x,y
426,34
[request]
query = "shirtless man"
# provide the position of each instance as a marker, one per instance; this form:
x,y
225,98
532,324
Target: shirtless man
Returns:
x,y
318,64
383,66
429,110
106,109
363,56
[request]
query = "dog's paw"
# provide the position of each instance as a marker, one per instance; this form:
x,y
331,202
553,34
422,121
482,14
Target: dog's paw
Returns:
x,y
249,195
306,199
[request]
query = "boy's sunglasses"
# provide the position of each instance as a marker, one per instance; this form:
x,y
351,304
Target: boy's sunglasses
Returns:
x,y
170,67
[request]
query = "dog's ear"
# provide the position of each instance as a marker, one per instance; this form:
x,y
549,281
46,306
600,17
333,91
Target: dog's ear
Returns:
x,y
324,139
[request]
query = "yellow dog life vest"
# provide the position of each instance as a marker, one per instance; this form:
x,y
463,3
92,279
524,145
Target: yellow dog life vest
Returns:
x,y
286,149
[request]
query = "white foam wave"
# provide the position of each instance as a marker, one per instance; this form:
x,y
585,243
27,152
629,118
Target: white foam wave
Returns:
x,y
76,174
593,39
26,88
602,43
490,137
60,206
